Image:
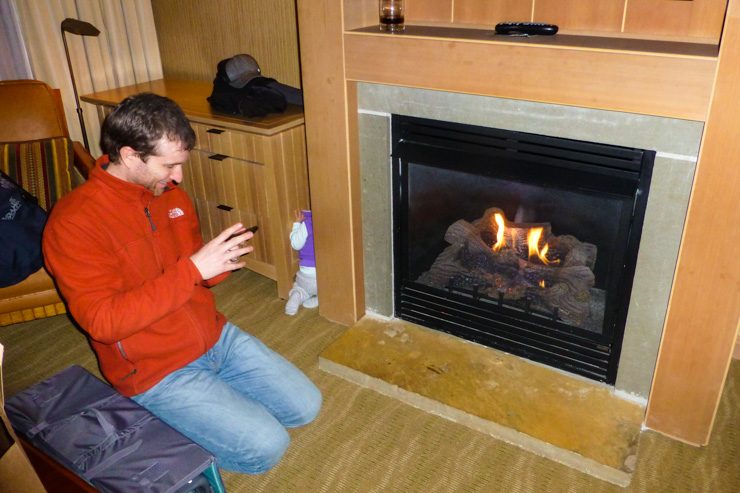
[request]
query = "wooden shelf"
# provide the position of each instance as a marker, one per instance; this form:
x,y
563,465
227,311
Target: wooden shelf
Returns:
x,y
663,78
565,41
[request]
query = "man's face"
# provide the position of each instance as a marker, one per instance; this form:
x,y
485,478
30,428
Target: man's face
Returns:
x,y
162,167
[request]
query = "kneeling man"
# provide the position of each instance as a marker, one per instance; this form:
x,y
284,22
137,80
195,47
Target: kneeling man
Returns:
x,y
126,252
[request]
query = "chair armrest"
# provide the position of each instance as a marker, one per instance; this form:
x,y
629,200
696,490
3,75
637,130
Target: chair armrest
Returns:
x,y
83,161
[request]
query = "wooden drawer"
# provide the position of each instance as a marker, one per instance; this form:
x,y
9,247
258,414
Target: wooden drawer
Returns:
x,y
225,191
232,143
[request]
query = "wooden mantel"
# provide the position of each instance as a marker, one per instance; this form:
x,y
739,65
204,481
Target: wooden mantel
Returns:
x,y
677,79
671,79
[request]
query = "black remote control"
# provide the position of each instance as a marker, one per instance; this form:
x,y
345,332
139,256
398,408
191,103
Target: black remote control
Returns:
x,y
525,28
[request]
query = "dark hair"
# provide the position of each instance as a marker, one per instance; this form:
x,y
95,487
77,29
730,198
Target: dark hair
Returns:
x,y
140,121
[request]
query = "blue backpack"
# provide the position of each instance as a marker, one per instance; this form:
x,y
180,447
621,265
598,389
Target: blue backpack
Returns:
x,y
22,222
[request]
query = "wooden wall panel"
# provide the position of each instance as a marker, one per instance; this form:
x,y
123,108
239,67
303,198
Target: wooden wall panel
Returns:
x,y
195,35
581,15
701,325
492,12
697,18
360,13
428,10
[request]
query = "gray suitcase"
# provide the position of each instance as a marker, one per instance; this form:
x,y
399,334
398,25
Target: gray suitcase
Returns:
x,y
108,439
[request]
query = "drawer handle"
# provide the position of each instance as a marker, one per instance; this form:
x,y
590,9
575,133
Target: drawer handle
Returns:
x,y
217,157
215,131
224,207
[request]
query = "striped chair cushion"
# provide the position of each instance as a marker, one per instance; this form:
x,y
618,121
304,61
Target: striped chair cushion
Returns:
x,y
41,167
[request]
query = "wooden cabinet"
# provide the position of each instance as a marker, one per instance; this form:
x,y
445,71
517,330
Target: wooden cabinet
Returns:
x,y
247,170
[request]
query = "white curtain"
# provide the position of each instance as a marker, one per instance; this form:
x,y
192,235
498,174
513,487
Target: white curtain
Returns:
x,y
125,52
13,57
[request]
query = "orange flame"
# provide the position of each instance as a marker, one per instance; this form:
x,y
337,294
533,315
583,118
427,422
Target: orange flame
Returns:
x,y
500,240
542,283
533,242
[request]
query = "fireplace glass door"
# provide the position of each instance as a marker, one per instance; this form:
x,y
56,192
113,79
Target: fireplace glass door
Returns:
x,y
522,242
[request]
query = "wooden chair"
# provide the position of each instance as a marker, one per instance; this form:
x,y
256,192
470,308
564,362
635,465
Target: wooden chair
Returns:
x,y
32,111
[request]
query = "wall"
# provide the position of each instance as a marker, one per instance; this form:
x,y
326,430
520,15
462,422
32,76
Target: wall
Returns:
x,y
194,35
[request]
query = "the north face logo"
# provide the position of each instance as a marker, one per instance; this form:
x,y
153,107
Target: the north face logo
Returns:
x,y
176,212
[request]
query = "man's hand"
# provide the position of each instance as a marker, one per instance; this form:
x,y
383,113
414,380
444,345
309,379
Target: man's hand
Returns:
x,y
222,253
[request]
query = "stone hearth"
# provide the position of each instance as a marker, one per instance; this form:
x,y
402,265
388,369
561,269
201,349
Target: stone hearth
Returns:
x,y
569,419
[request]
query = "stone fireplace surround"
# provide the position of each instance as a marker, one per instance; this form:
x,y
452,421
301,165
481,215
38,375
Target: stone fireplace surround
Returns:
x,y
675,141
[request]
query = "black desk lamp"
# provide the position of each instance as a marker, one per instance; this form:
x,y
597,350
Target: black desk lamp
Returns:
x,y
81,28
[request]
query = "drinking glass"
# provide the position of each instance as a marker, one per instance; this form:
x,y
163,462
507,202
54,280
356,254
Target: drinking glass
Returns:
x,y
391,15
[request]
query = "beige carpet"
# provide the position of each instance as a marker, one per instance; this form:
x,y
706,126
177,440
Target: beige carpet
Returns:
x,y
366,442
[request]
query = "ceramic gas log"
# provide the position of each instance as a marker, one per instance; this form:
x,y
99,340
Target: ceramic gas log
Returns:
x,y
522,263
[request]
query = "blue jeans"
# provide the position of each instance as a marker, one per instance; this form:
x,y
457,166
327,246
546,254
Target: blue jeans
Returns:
x,y
236,401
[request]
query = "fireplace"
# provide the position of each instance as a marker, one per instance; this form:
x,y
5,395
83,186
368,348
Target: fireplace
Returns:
x,y
676,143
522,242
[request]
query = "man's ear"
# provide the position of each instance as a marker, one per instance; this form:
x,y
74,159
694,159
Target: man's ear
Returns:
x,y
129,156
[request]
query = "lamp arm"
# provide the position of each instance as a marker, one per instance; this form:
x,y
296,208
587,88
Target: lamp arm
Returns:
x,y
74,89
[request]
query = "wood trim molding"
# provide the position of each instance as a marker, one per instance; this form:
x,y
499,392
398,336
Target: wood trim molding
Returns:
x,y
334,185
701,327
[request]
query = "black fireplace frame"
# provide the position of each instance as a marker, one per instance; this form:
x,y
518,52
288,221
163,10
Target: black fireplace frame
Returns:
x,y
622,171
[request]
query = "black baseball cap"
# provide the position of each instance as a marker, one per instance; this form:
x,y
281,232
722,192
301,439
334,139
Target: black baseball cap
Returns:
x,y
240,69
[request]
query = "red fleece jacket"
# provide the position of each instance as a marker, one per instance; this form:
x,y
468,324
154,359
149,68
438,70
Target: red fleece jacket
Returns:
x,y
120,257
